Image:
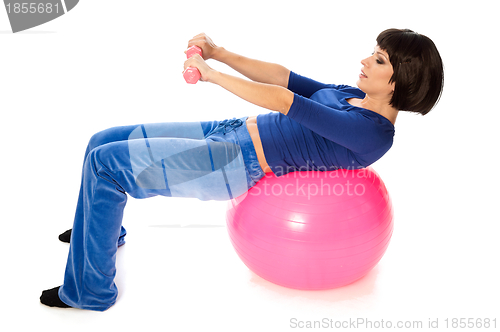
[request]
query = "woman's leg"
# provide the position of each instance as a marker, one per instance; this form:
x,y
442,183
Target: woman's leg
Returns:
x,y
193,130
141,167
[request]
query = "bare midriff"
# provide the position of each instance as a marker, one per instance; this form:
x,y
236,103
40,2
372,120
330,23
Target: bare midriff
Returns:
x,y
257,143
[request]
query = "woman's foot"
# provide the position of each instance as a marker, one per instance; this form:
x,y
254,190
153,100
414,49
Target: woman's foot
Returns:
x,y
51,298
66,237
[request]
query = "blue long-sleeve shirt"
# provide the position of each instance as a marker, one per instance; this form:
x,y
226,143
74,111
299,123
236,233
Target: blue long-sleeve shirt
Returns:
x,y
322,131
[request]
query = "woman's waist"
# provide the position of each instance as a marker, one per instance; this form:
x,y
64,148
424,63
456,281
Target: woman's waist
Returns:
x,y
253,130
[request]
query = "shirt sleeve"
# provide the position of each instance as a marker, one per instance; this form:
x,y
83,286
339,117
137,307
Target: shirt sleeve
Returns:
x,y
305,86
352,130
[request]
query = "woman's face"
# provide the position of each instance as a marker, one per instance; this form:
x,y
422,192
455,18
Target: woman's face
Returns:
x,y
375,75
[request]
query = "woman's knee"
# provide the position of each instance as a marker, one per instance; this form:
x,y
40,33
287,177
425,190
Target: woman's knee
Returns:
x,y
111,156
109,135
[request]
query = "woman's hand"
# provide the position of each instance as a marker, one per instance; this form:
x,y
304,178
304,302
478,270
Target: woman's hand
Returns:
x,y
270,81
256,70
206,44
197,61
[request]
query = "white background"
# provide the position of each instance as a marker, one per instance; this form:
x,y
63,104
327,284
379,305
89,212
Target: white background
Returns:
x,y
110,63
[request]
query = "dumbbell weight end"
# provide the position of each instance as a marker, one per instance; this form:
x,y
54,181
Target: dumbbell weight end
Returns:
x,y
191,74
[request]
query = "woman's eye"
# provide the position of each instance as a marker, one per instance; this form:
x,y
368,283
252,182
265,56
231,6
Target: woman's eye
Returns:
x,y
380,62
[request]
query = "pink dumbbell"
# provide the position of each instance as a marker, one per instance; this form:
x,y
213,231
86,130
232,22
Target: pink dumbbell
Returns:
x,y
192,74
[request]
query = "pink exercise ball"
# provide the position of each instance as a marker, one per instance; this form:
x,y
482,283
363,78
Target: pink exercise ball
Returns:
x,y
312,230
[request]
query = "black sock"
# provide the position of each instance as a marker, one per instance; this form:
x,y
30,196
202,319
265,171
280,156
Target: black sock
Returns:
x,y
51,298
66,236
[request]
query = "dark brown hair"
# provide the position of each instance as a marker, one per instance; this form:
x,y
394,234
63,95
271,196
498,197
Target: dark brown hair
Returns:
x,y
418,70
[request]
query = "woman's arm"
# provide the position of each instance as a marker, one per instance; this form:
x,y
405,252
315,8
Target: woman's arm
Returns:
x,y
256,70
273,97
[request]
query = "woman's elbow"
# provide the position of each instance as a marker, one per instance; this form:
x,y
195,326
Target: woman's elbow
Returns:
x,y
284,76
286,101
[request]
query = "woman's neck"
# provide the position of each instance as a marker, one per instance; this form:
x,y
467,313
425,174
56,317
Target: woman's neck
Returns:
x,y
381,107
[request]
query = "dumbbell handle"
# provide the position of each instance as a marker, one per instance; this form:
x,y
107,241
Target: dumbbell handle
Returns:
x,y
192,74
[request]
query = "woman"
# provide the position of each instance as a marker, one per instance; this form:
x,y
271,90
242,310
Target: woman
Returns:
x,y
314,126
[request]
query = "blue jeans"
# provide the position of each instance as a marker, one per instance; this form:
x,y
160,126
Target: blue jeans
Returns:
x,y
213,160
